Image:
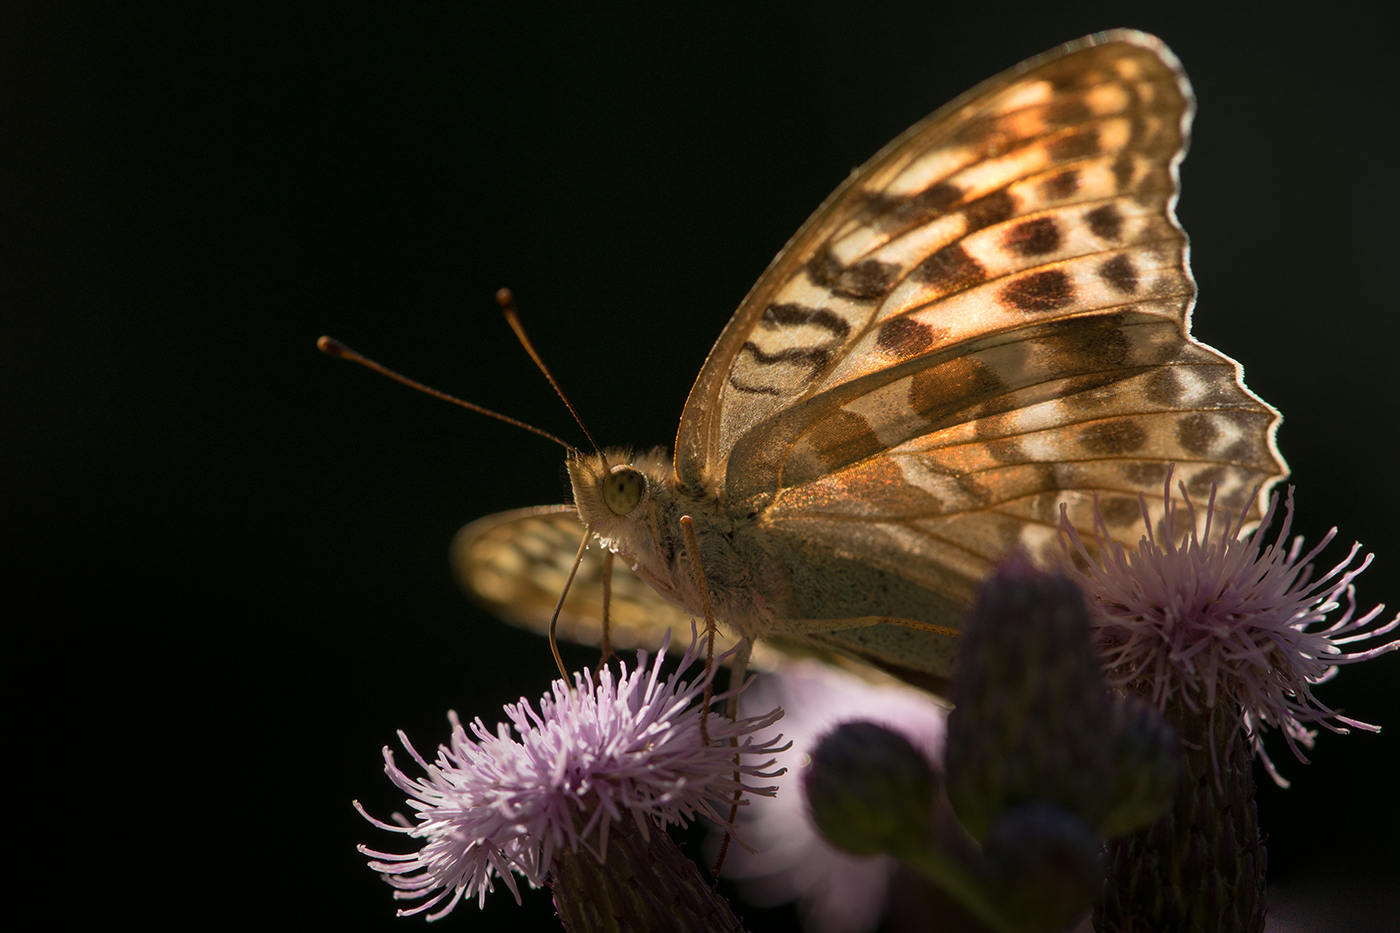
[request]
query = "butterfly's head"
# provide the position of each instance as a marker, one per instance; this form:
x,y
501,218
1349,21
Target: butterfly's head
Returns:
x,y
613,490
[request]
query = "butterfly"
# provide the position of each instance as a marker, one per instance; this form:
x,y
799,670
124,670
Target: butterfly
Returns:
x,y
986,324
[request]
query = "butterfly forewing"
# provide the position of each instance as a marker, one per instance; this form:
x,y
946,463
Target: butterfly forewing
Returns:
x,y
988,321
987,324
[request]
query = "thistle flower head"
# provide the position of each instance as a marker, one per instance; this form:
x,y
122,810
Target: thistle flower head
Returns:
x,y
1226,623
623,747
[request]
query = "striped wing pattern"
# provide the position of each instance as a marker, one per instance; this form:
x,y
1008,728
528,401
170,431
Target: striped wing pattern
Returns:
x,y
988,321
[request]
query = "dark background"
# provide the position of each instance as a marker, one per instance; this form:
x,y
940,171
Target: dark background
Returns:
x,y
226,552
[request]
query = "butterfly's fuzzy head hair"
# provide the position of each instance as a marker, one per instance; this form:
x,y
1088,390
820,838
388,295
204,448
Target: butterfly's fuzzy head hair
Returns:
x,y
614,487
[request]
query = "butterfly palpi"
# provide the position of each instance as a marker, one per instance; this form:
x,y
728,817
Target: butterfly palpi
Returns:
x,y
986,323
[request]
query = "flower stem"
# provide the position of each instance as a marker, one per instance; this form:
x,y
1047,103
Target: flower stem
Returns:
x,y
647,886
1200,867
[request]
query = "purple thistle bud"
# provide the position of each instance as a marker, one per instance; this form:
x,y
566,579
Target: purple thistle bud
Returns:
x,y
627,748
1045,865
1031,716
870,790
647,886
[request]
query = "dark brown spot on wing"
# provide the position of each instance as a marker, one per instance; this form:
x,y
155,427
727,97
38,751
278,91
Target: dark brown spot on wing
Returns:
x,y
1116,437
950,387
1145,473
1040,477
996,405
1163,387
1087,345
1238,499
1060,185
894,214
936,199
1197,433
1123,168
795,315
1007,450
1091,392
991,209
751,388
815,359
975,489
842,438
868,279
904,338
1034,237
1199,485
1066,112
1039,292
824,268
950,269
1120,273
1120,511
1106,222
1251,446
1076,145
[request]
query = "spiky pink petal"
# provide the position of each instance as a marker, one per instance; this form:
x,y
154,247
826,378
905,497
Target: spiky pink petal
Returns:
x,y
625,747
1217,621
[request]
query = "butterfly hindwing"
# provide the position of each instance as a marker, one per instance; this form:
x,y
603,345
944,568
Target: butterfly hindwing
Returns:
x,y
515,564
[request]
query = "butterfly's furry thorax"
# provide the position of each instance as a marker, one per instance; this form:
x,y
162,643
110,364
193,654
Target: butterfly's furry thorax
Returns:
x,y
748,584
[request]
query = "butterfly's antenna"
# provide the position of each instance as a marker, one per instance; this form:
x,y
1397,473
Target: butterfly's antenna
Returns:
x,y
332,347
559,606
506,299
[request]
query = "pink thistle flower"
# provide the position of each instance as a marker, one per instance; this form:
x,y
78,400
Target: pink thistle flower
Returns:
x,y
624,747
787,857
1224,621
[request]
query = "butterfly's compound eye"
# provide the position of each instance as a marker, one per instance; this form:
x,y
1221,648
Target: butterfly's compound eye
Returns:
x,y
623,489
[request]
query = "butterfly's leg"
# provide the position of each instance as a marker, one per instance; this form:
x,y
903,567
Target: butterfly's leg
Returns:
x,y
607,607
692,547
737,673
559,606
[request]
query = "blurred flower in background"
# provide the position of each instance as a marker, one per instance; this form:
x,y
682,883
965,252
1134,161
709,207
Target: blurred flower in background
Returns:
x,y
836,892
